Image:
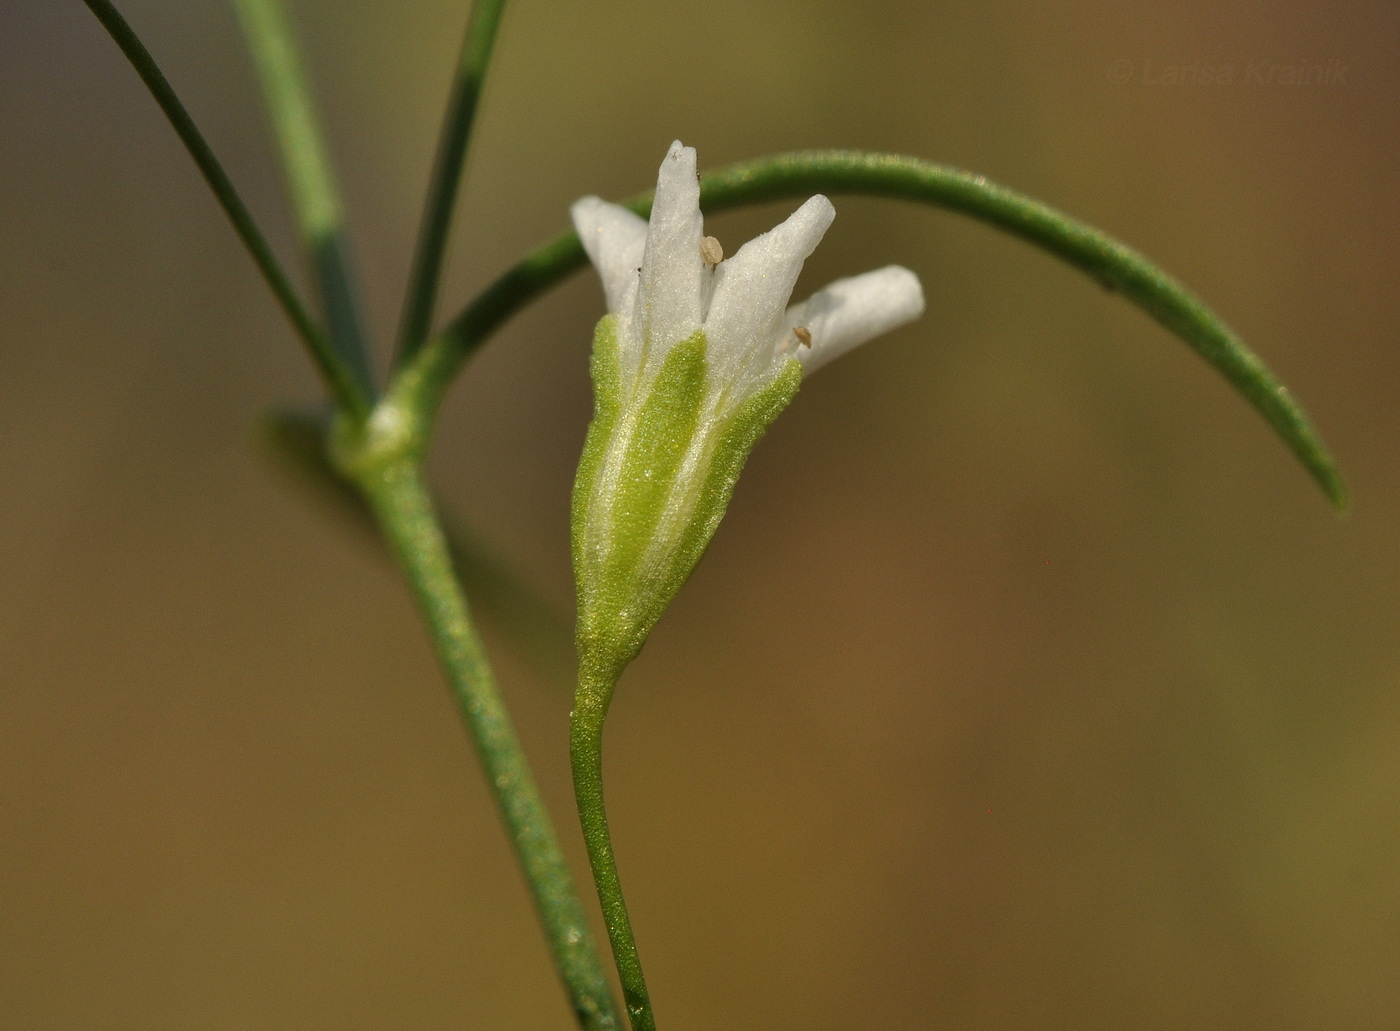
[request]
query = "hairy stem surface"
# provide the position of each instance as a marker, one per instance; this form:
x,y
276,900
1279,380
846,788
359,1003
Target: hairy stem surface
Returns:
x,y
395,490
586,756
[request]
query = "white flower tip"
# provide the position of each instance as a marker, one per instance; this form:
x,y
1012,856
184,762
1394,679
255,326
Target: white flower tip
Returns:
x,y
804,229
819,209
808,224
903,292
851,311
668,304
614,239
584,215
680,161
677,197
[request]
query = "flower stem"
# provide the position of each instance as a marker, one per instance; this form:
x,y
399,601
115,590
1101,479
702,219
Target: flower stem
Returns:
x,y
586,755
395,490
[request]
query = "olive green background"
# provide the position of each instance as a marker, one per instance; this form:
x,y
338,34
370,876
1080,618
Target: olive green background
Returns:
x,y
1029,683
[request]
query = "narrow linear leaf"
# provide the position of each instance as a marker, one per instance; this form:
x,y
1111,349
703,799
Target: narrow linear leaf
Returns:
x,y
342,383
295,441
423,282
311,184
1113,264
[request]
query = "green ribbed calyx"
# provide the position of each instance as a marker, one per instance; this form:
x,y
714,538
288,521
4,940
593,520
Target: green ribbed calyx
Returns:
x,y
657,473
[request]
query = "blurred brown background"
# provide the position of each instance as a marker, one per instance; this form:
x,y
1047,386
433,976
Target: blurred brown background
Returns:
x,y
1029,683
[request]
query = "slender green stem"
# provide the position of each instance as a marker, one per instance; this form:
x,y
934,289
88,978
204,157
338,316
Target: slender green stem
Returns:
x,y
586,755
1111,263
306,164
394,488
456,134
344,385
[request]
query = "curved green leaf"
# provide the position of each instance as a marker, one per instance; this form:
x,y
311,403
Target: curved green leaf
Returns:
x,y
1113,264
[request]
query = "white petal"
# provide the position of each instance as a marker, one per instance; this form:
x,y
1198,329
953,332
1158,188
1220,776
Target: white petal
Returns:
x,y
851,311
751,290
668,303
615,239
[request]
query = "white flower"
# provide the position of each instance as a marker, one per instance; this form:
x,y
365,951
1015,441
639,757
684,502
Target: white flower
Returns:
x,y
696,357
662,290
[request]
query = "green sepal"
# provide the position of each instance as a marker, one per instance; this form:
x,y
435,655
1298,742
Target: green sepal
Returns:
x,y
656,476
605,368
648,494
742,434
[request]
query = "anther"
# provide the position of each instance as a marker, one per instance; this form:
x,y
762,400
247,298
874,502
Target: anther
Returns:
x,y
711,253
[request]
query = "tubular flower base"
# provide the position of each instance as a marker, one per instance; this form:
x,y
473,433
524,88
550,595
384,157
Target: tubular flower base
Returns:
x,y
696,356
